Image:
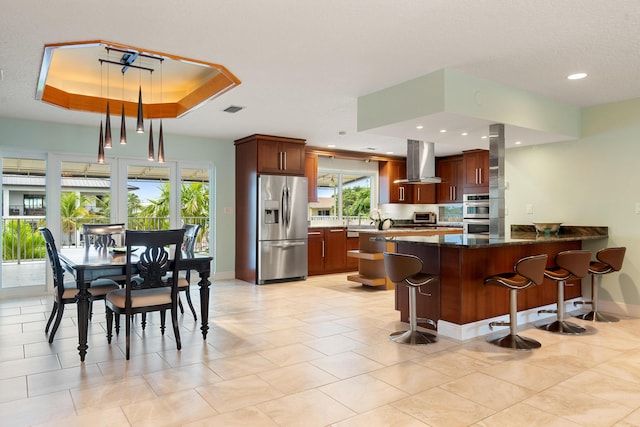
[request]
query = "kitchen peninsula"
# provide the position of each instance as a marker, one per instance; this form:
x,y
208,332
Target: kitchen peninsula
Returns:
x,y
463,261
372,245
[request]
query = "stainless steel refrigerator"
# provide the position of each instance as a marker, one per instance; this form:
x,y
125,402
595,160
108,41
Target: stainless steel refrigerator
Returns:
x,y
282,228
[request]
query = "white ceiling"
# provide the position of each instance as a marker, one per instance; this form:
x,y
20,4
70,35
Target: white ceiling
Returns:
x,y
304,63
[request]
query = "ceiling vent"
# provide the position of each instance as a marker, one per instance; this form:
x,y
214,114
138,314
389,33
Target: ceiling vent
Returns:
x,y
232,109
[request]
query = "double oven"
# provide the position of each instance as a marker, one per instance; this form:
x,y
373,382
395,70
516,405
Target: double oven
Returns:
x,y
475,213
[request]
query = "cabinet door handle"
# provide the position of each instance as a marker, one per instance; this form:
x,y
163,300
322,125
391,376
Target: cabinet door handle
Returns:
x,y
323,249
480,176
314,233
339,230
401,193
284,156
418,193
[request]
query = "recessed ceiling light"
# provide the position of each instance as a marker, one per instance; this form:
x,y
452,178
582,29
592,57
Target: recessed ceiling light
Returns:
x,y
464,133
518,142
483,137
419,127
342,133
443,130
331,145
577,76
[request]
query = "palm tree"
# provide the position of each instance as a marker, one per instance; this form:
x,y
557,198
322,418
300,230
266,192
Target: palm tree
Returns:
x,y
157,208
72,208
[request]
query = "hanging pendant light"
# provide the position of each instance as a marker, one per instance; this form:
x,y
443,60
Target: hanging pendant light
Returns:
x,y
161,145
151,154
161,136
101,146
107,129
123,128
140,124
123,125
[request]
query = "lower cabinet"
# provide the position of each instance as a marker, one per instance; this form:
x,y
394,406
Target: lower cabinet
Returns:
x,y
328,251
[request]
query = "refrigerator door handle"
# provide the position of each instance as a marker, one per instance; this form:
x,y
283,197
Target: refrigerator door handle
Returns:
x,y
288,244
288,212
283,206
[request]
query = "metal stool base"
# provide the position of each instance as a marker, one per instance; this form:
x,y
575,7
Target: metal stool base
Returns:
x,y
596,316
563,327
515,342
413,337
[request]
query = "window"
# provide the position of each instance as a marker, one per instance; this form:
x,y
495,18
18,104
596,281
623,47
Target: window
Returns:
x,y
34,204
344,194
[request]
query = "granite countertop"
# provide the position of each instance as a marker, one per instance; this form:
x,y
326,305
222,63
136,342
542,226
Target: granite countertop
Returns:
x,y
519,235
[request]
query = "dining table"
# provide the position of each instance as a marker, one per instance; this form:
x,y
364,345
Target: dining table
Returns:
x,y
90,263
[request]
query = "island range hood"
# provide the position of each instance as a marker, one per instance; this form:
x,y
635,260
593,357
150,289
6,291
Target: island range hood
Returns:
x,y
421,163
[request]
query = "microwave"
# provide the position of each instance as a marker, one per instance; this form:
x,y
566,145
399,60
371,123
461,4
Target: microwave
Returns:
x,y
475,206
424,218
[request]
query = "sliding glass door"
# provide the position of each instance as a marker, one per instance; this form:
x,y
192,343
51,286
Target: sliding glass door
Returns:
x,y
24,208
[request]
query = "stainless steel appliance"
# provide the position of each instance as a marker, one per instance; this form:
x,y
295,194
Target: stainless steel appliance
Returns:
x,y
475,213
428,218
282,228
475,226
475,206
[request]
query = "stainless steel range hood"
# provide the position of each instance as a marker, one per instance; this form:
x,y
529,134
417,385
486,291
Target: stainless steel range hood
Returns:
x,y
421,163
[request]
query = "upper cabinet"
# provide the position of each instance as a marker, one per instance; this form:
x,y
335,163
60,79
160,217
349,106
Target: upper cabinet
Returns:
x,y
476,171
424,193
277,155
450,169
391,191
311,172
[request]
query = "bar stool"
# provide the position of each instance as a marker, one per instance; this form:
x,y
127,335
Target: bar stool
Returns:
x,y
406,269
608,261
529,271
572,264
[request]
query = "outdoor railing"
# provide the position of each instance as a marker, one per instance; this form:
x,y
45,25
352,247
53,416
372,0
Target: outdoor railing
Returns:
x,y
22,242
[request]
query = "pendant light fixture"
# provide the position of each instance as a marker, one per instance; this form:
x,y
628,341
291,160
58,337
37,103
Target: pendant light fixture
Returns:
x,y
107,125
161,145
161,136
107,128
151,153
123,125
101,146
140,123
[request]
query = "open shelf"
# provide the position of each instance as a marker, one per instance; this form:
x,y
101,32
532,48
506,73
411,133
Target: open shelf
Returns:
x,y
369,281
373,256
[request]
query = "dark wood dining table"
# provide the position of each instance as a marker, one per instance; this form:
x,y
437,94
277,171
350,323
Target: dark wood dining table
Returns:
x,y
90,263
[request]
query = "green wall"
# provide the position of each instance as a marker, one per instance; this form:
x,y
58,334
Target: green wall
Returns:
x,y
82,140
594,180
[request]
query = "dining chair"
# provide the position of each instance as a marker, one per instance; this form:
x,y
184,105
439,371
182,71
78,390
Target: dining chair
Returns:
x,y
103,237
191,232
158,254
65,293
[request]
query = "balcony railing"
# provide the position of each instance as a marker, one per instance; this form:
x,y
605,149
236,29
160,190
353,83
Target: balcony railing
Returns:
x,y
21,242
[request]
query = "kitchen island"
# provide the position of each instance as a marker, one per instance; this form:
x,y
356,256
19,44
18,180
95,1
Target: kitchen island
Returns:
x,y
372,243
463,305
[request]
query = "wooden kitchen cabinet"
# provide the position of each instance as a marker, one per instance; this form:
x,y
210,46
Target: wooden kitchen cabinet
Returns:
x,y
424,193
315,245
352,245
390,191
450,169
476,171
335,255
311,172
327,250
277,155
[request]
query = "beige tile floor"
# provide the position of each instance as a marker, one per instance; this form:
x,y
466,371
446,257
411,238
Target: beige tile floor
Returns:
x,y
313,353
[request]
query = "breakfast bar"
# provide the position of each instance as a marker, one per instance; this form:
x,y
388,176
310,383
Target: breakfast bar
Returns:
x,y
462,305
